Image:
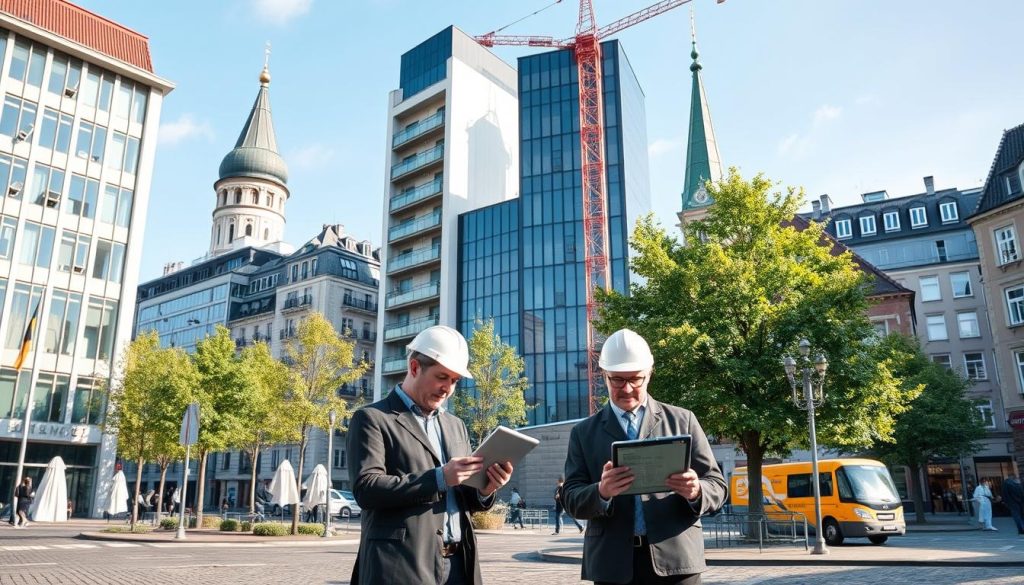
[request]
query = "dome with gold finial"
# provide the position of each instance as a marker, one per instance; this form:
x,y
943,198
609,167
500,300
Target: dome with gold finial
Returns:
x,y
265,76
255,153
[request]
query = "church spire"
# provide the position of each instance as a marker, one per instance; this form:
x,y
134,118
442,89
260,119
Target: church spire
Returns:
x,y
702,160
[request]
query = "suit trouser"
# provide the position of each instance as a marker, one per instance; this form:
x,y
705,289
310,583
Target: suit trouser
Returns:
x,y
643,571
455,569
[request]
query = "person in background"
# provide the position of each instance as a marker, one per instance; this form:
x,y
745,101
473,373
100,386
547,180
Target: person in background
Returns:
x,y
1013,497
515,504
25,495
560,509
983,495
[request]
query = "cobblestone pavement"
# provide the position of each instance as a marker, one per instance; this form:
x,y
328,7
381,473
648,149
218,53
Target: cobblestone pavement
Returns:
x,y
52,556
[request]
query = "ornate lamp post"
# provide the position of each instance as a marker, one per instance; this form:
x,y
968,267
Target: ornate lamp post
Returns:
x,y
812,385
332,417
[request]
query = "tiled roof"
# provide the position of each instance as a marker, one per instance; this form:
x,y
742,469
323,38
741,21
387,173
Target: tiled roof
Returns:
x,y
1009,156
83,27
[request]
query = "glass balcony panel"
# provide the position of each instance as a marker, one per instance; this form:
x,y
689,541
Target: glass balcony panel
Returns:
x,y
400,330
412,227
418,161
419,129
414,258
420,193
425,291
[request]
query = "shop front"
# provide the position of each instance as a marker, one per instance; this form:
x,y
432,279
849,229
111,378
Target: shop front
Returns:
x,y
80,473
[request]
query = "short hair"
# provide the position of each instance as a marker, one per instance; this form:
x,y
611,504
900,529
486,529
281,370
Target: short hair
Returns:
x,y
424,361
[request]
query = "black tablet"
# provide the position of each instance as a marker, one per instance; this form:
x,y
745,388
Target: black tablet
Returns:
x,y
652,461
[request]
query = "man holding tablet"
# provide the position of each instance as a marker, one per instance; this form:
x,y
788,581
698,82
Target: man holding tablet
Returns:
x,y
642,539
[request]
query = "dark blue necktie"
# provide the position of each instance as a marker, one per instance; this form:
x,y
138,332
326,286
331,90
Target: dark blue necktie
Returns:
x,y
632,432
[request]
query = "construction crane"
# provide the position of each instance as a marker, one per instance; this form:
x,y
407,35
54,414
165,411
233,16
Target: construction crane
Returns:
x,y
587,47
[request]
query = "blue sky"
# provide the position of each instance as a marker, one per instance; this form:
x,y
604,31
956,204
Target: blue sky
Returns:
x,y
839,97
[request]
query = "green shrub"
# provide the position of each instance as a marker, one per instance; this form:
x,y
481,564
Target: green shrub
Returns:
x,y
311,528
271,529
169,523
487,520
230,525
246,526
138,529
209,521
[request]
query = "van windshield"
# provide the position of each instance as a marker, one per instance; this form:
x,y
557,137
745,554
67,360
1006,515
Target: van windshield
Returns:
x,y
866,483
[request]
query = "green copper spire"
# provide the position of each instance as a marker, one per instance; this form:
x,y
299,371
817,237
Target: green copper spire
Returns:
x,y
702,160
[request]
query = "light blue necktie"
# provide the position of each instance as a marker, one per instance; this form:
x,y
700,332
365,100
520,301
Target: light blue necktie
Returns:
x,y
639,527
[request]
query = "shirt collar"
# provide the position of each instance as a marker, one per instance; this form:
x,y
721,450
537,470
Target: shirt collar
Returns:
x,y
412,406
638,411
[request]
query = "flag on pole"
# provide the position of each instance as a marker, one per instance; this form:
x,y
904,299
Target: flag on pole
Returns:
x,y
26,342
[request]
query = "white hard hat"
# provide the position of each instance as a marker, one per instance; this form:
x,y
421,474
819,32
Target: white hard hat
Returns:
x,y
625,351
446,346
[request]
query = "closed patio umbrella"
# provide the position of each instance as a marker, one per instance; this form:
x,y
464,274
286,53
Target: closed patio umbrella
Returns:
x,y
51,503
117,498
282,487
316,488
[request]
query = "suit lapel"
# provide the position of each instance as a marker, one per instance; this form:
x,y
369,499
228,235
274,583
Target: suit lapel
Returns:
x,y
407,420
611,425
450,436
652,419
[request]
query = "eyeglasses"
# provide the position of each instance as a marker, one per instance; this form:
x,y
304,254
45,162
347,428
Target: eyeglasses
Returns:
x,y
619,381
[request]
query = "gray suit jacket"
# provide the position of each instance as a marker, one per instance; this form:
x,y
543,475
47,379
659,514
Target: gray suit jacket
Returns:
x,y
392,471
673,524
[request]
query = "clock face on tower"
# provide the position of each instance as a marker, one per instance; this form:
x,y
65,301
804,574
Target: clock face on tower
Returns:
x,y
701,196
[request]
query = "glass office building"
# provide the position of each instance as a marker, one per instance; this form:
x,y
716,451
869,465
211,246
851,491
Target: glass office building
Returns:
x,y
548,323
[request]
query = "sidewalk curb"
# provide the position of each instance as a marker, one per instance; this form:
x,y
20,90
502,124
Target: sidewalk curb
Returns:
x,y
203,538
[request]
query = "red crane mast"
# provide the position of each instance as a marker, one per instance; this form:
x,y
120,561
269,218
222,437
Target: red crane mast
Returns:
x,y
587,46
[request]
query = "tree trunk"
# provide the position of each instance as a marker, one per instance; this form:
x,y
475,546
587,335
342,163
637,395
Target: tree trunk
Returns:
x,y
755,490
918,492
200,488
138,487
160,493
298,477
254,455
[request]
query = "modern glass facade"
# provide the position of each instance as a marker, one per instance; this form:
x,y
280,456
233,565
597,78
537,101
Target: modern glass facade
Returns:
x,y
551,329
425,64
489,269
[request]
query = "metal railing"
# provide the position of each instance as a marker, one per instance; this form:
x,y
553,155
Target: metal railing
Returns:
x,y
417,293
298,302
424,191
418,161
743,529
400,330
419,128
362,304
412,227
416,257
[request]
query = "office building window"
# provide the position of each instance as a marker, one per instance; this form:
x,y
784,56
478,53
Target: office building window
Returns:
x,y
55,133
961,284
116,206
109,261
82,197
968,324
1006,244
988,419
73,253
892,220
91,141
974,366
8,228
13,173
867,225
937,328
47,184
948,212
90,405
36,245
27,62
99,328
943,360
18,118
26,299
930,288
50,397
843,229
1015,305
65,76
918,217
62,322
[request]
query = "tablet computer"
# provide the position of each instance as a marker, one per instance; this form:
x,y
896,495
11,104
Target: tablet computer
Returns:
x,y
652,461
503,444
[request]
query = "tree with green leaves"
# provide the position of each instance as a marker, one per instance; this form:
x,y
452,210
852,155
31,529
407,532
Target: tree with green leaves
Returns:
x,y
319,362
260,412
147,399
721,312
942,421
223,385
496,394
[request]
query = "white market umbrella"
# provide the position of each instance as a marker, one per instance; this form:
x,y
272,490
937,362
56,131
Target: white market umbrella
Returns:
x,y
316,488
51,503
117,498
282,487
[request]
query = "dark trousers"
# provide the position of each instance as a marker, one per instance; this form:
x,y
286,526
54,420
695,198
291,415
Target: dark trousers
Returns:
x,y
454,570
1018,518
558,520
643,572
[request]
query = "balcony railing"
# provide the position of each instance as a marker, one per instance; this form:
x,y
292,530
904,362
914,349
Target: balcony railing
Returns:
x,y
286,334
243,341
393,365
368,336
361,304
300,302
424,191
415,226
414,258
418,161
424,291
401,330
418,129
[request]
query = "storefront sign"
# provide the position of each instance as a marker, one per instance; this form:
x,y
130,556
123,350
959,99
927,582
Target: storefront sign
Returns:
x,y
53,431
1017,419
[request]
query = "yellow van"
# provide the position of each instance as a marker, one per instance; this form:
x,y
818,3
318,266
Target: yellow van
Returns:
x,y
858,497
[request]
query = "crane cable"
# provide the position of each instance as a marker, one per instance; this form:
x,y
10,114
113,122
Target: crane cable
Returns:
x,y
534,13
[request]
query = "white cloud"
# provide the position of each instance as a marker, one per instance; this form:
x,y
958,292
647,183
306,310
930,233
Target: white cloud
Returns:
x,y
281,11
662,146
182,129
799,144
826,112
311,156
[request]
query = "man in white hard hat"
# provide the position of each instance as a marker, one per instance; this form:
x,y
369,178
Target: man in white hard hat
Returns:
x,y
639,539
409,460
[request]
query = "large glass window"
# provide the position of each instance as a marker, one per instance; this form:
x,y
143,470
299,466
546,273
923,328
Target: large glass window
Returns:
x,y
961,283
115,158
62,322
99,328
8,228
937,328
26,299
55,133
9,379
967,322
123,100
139,105
974,366
50,397
36,245
90,402
82,196
1015,305
930,288
74,252
91,141
1006,244
65,75
13,172
27,63
116,206
47,184
18,118
109,261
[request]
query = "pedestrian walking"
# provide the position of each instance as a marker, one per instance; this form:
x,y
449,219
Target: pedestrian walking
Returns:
x,y
1013,497
25,495
559,509
516,504
983,495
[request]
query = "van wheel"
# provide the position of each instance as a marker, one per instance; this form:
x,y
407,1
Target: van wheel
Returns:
x,y
878,539
346,512
833,536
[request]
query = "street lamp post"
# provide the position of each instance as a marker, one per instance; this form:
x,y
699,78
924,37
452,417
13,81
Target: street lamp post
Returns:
x,y
331,418
812,383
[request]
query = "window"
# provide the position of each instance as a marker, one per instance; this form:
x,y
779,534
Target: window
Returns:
x,y
1019,358
37,245
99,328
13,171
27,62
8,228
961,284
18,116
55,133
123,100
312,266
799,485
943,360
867,225
91,140
948,211
73,253
90,402
843,229
339,458
82,197
974,366
47,184
26,299
930,288
225,460
988,419
968,324
892,220
1006,244
937,328
139,105
108,262
50,398
295,272
305,270
62,322
115,159
881,328
1015,305
116,206
65,75
918,217
98,89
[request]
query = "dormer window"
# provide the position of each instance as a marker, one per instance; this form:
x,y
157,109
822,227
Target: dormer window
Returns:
x,y
1012,183
918,217
867,225
843,229
892,221
948,212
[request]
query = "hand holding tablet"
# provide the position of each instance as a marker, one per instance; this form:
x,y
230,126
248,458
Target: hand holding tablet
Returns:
x,y
652,463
